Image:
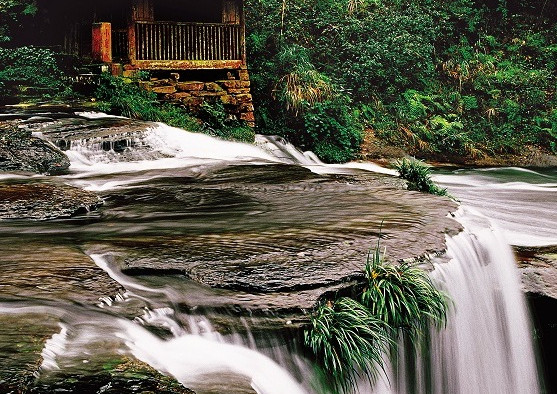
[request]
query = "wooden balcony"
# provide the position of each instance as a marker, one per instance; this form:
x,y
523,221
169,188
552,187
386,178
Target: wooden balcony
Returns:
x,y
185,45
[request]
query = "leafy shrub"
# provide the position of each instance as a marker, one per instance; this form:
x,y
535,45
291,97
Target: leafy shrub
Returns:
x,y
217,122
332,130
30,68
418,176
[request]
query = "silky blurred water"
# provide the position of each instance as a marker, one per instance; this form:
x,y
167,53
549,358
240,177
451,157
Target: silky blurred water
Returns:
x,y
137,278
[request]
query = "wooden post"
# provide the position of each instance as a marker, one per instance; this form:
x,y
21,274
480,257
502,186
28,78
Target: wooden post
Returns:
x,y
102,42
141,10
243,33
131,42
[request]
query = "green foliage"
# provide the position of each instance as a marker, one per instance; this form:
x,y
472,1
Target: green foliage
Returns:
x,y
123,96
332,130
30,69
350,336
418,176
444,79
347,340
12,12
217,122
403,296
302,84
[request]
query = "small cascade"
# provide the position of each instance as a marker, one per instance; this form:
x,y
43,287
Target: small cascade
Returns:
x,y
284,151
159,146
196,351
487,346
195,355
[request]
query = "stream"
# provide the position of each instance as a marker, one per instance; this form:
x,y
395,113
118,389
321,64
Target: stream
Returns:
x,y
207,254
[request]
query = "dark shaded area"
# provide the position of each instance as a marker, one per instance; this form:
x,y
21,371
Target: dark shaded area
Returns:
x,y
105,382
544,314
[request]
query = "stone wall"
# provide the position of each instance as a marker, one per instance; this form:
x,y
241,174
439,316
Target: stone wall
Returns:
x,y
233,92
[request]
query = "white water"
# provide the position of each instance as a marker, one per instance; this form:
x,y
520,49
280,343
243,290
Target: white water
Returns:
x,y
486,347
192,355
163,147
521,202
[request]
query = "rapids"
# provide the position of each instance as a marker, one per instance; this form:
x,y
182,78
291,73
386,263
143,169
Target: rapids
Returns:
x,y
206,253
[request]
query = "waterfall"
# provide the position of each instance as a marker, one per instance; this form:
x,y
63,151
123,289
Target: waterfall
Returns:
x,y
485,348
487,345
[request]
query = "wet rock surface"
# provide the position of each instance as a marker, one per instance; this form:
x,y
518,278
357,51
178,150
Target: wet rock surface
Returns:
x,y
247,245
20,151
538,270
278,242
44,200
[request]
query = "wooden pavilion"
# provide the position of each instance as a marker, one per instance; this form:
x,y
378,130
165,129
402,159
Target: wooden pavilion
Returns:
x,y
200,43
151,34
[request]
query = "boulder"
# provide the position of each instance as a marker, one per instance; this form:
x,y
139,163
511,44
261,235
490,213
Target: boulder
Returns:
x,y
20,151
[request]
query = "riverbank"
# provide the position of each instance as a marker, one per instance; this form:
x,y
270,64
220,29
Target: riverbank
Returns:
x,y
382,152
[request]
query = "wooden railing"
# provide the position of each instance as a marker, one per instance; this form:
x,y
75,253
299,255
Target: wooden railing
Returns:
x,y
158,41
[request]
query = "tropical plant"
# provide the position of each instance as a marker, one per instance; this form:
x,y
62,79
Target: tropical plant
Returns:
x,y
303,84
348,340
418,176
403,295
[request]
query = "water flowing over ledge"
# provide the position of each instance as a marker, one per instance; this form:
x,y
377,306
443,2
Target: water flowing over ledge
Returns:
x,y
193,237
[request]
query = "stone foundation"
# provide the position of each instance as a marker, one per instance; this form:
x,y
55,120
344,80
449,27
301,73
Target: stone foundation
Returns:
x,y
233,93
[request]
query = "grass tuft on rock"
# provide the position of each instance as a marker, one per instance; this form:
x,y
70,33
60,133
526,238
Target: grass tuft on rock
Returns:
x,y
403,296
348,340
418,176
350,337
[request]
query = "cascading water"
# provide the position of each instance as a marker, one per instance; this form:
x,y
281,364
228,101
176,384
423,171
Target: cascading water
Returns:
x,y
487,346
169,191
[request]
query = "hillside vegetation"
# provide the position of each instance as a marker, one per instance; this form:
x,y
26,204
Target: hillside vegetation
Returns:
x,y
444,80
454,80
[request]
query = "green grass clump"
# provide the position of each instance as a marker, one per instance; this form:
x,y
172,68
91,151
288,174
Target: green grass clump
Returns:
x,y
348,341
403,296
418,176
123,96
349,337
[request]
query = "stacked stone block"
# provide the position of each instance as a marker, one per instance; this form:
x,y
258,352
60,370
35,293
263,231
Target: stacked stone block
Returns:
x,y
233,93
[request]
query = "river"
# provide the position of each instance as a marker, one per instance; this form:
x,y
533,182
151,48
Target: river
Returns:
x,y
206,253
